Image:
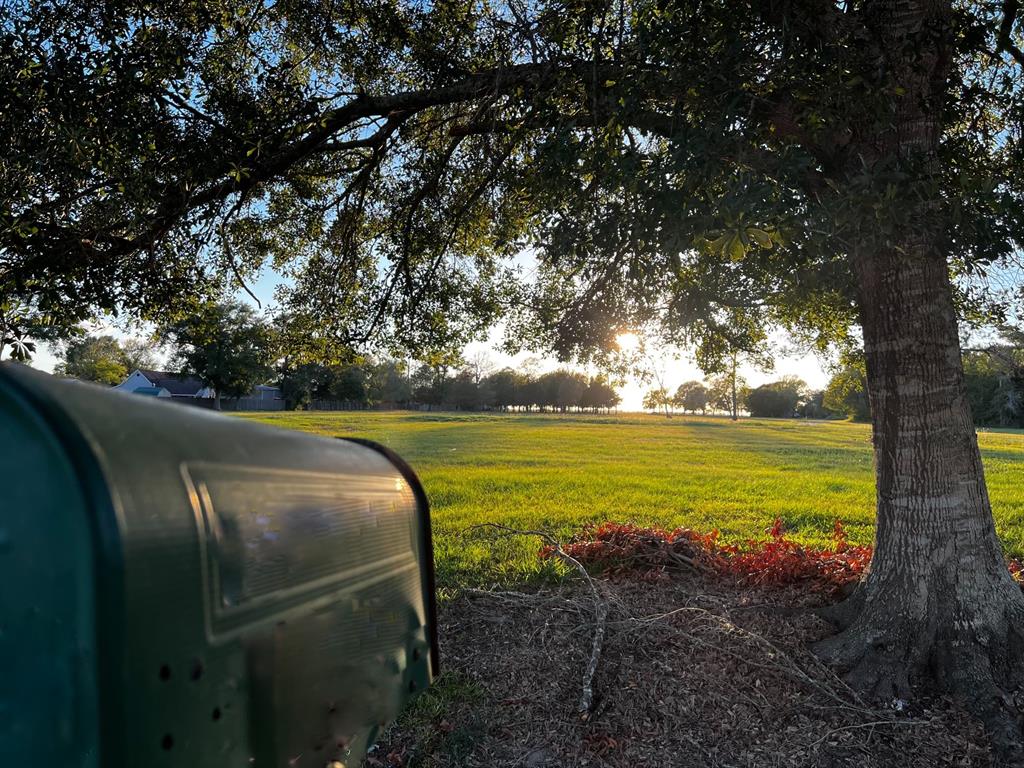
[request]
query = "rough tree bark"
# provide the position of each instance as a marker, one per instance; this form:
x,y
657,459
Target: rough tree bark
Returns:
x,y
938,599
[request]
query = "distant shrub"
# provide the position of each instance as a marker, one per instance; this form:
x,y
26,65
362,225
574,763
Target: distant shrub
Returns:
x,y
779,399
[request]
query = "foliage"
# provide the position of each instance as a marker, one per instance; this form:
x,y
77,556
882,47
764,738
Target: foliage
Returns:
x,y
657,398
138,354
617,548
702,168
691,396
25,321
463,392
813,406
374,381
599,394
223,344
104,359
778,399
993,379
366,381
721,390
94,358
558,473
777,560
559,390
302,383
846,392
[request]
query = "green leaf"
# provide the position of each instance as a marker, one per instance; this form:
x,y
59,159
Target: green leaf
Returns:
x,y
718,244
760,237
736,251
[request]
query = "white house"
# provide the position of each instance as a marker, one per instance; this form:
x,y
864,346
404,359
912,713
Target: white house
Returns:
x,y
164,384
175,385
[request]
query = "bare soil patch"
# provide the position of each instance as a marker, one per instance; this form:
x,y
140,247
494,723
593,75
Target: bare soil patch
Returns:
x,y
692,672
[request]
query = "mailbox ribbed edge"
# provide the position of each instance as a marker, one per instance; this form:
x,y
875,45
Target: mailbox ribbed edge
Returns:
x,y
430,586
109,562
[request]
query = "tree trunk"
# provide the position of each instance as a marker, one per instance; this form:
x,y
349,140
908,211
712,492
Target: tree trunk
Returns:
x,y
216,399
735,405
938,597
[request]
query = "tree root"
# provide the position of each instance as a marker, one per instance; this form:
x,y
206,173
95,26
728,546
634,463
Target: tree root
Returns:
x,y
979,661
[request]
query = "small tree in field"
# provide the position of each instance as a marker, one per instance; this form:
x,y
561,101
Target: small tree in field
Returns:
x,y
691,396
773,401
657,399
224,345
726,392
599,394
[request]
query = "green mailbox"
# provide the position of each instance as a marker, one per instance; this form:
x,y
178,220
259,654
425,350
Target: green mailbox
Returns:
x,y
181,588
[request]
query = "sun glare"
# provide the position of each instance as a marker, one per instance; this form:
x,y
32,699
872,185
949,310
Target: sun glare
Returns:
x,y
627,342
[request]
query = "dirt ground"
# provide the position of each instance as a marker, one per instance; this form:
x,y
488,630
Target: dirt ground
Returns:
x,y
690,673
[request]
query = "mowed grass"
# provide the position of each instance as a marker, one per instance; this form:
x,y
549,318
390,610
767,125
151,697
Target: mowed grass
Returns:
x,y
557,473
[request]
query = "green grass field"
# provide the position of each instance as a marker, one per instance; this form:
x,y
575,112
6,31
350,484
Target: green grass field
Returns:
x,y
557,473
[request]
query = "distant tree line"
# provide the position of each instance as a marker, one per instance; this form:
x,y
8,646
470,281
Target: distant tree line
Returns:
x,y
231,349
104,359
447,387
993,375
789,397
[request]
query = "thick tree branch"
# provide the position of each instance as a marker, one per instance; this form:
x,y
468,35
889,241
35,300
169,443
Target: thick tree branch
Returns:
x,y
644,120
1005,36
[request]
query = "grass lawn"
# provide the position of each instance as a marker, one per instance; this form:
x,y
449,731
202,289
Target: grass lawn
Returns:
x,y
557,473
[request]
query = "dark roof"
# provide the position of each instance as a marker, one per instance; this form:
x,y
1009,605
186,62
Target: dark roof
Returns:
x,y
173,383
149,391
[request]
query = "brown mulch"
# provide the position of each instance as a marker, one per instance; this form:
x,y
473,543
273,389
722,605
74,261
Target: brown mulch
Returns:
x,y
691,673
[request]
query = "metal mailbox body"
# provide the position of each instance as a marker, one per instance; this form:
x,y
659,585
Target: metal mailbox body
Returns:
x,y
181,588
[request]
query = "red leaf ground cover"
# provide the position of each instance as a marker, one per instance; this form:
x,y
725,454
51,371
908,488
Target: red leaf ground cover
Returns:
x,y
622,549
625,549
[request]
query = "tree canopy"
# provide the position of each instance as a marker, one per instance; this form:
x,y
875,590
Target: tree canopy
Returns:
x,y
104,359
777,399
691,396
225,345
673,166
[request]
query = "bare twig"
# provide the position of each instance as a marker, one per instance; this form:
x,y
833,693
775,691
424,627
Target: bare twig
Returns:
x,y
872,724
782,662
600,608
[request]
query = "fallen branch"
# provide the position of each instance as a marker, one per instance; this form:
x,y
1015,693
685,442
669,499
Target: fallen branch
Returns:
x,y
600,608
